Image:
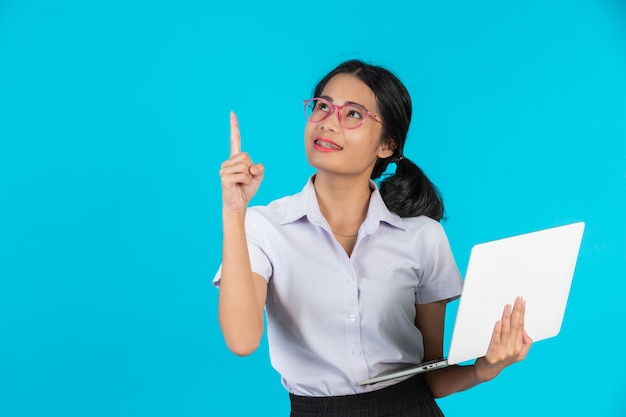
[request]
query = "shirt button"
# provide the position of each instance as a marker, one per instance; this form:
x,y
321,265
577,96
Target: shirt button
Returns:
x,y
352,317
356,353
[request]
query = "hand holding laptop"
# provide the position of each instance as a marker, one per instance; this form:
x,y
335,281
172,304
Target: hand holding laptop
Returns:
x,y
509,342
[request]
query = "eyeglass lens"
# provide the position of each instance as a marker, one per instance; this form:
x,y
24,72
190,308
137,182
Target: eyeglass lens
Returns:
x,y
352,115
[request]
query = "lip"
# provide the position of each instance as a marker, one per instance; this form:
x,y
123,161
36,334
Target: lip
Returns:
x,y
321,148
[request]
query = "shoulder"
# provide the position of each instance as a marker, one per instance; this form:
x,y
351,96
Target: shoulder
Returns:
x,y
422,234
272,212
283,210
423,226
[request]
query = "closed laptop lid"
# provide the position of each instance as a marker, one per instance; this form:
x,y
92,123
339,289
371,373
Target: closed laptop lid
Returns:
x,y
538,266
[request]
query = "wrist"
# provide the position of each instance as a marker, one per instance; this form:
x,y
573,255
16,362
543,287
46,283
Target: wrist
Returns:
x,y
234,214
233,221
485,371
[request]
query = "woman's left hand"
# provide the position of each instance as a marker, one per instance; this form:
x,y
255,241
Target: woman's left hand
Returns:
x,y
509,342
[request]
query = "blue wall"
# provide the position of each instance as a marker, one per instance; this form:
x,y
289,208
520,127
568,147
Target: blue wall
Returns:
x,y
113,124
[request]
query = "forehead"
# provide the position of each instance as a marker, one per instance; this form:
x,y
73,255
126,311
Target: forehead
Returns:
x,y
347,87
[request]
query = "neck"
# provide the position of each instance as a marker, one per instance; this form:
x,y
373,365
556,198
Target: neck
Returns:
x,y
343,202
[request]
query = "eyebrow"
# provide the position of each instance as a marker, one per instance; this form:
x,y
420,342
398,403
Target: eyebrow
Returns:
x,y
347,102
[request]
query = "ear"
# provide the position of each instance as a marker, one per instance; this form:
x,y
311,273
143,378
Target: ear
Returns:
x,y
386,148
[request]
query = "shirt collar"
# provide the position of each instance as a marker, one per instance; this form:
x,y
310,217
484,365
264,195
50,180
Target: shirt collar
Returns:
x,y
304,204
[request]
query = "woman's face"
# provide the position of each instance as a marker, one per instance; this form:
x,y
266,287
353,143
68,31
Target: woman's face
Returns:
x,y
331,147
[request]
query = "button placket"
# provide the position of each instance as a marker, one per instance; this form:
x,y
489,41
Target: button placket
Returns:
x,y
352,321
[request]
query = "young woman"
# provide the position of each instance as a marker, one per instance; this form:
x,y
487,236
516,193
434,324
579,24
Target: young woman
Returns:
x,y
354,277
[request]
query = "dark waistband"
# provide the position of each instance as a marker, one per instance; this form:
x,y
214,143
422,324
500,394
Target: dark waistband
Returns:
x,y
394,397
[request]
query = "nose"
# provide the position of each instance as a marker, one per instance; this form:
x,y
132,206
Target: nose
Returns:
x,y
332,123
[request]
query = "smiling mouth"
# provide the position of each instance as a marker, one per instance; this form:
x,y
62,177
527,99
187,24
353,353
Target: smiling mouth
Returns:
x,y
327,145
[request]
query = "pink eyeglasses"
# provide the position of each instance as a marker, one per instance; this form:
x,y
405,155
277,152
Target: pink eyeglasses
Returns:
x,y
351,115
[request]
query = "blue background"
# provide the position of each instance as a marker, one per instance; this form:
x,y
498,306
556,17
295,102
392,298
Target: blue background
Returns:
x,y
113,125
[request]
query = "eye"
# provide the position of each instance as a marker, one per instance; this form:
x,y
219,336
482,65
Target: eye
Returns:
x,y
322,106
355,112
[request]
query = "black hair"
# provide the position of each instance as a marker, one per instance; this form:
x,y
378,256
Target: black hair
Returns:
x,y
408,192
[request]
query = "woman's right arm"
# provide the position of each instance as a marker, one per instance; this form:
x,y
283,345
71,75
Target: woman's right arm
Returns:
x,y
242,293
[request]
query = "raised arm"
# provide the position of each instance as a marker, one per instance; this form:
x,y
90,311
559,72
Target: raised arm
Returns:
x,y
509,344
242,293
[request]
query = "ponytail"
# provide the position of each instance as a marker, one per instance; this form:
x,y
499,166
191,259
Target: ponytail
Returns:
x,y
408,192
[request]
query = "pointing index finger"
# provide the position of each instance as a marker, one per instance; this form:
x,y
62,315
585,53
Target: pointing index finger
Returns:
x,y
235,136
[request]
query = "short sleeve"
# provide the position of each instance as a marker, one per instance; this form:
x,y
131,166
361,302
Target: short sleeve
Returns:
x,y
440,278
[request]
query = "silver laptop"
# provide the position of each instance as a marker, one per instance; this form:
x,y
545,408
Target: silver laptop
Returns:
x,y
538,266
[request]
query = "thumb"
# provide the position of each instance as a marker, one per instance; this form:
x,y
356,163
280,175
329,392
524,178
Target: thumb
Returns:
x,y
257,171
527,343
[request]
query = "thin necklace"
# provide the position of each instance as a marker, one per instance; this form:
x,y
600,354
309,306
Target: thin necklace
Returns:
x,y
339,234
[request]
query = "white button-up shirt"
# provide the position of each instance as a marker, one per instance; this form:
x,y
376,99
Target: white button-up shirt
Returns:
x,y
334,320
